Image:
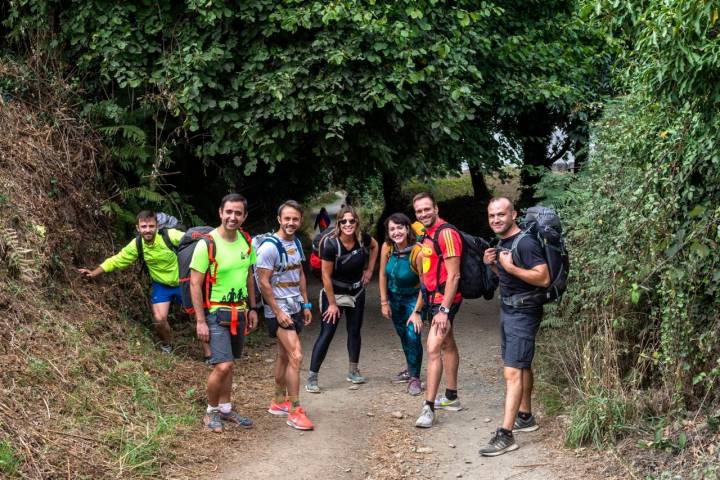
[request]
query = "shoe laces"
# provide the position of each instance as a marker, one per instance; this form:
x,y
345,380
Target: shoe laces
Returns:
x,y
299,411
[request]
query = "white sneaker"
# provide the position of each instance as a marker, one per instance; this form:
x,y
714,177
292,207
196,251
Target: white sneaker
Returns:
x,y
426,418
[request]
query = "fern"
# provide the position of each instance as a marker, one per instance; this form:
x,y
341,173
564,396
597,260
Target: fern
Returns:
x,y
17,257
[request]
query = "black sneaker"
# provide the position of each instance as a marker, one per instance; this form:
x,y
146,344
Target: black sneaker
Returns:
x,y
499,443
529,425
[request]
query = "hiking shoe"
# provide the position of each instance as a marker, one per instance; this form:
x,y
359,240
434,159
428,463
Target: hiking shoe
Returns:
x,y
280,409
166,348
237,419
312,386
355,377
444,404
402,377
426,418
212,422
499,443
529,425
298,420
414,386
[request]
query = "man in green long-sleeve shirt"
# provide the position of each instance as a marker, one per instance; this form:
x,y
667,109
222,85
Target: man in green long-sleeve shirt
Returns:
x,y
162,266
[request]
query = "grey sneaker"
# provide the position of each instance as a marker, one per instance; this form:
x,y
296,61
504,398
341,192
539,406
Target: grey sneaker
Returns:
x,y
312,385
499,443
414,386
212,422
529,425
166,348
237,419
355,377
443,403
402,377
426,418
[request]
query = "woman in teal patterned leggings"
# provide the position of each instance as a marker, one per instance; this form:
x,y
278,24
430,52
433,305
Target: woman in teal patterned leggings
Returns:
x,y
399,286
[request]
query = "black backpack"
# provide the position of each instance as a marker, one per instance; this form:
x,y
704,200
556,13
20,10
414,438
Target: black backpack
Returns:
x,y
476,279
164,222
543,224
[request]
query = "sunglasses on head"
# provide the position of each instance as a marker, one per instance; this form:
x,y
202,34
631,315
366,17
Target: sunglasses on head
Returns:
x,y
350,221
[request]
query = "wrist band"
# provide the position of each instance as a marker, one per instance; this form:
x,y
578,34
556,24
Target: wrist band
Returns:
x,y
307,305
385,302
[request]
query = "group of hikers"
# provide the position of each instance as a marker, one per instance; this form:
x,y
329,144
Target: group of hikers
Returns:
x,y
224,278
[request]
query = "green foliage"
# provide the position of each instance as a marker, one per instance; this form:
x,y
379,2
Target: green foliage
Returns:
x,y
444,188
598,419
642,218
9,461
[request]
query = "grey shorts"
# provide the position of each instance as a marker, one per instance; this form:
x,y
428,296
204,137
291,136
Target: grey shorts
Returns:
x,y
518,330
224,346
298,322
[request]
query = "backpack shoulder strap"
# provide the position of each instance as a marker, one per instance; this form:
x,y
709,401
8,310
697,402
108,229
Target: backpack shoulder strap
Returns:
x,y
299,247
280,249
517,260
140,253
166,238
436,237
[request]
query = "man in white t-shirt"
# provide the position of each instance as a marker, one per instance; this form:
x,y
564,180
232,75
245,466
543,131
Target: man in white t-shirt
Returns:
x,y
281,279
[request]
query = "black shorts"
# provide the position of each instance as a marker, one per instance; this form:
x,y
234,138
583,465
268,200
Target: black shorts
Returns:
x,y
435,308
517,332
298,322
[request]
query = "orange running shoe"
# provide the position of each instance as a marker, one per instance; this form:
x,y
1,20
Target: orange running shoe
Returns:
x,y
279,409
298,420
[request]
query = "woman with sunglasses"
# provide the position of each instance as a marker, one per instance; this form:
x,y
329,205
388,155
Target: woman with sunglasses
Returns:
x,y
399,299
348,258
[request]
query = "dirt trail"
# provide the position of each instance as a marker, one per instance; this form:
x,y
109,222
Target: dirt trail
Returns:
x,y
357,436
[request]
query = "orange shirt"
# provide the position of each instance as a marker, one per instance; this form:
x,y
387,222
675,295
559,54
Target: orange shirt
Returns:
x,y
450,246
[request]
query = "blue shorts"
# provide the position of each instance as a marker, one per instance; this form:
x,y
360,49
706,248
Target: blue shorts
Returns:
x,y
161,293
517,332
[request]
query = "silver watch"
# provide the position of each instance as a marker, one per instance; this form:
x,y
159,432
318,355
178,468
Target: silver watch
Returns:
x,y
443,309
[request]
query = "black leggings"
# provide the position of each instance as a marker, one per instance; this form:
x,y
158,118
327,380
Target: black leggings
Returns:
x,y
354,319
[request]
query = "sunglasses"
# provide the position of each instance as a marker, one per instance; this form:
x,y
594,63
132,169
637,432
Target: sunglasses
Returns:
x,y
350,221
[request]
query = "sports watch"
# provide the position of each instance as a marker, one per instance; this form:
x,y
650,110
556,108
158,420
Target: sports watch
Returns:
x,y
443,309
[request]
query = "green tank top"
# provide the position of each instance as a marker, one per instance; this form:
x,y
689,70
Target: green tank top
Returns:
x,y
401,280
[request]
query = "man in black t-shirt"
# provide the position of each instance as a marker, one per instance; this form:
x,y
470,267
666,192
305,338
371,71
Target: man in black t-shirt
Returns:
x,y
518,324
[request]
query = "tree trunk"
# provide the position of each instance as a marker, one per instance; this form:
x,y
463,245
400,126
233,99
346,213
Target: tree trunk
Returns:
x,y
392,194
535,127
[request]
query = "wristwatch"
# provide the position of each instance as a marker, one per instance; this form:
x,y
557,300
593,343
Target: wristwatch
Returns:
x,y
442,309
307,305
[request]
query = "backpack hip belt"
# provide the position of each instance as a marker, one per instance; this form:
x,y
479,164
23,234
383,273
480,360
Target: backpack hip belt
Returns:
x,y
234,309
528,299
349,286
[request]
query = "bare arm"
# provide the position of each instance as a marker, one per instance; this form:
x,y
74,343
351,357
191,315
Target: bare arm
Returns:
x,y
384,304
196,296
373,254
326,270
91,273
452,265
264,276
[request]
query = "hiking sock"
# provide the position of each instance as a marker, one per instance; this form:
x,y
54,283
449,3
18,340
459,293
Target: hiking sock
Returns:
x,y
225,407
524,415
450,394
279,393
506,432
312,376
294,400
352,367
430,404
211,409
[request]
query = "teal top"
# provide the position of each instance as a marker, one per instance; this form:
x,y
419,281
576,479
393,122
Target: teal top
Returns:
x,y
401,280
